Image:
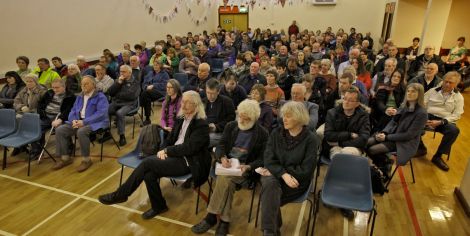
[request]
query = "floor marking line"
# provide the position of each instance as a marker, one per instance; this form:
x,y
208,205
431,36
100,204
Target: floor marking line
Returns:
x,y
300,218
78,196
5,233
345,226
409,203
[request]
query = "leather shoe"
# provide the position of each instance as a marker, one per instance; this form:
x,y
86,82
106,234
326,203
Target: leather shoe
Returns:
x,y
152,213
61,164
84,166
111,198
16,151
222,229
201,227
437,160
122,141
147,122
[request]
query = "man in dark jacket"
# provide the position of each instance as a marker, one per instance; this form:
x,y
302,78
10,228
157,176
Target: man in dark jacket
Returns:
x,y
254,77
429,79
418,66
347,126
53,109
153,88
186,152
198,83
245,140
219,111
124,96
232,90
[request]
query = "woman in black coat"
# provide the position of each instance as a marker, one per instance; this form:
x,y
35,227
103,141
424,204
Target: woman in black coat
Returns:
x,y
402,134
187,152
289,162
9,91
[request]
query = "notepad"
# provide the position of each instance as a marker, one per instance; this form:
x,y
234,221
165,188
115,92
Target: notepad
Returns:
x,y
234,170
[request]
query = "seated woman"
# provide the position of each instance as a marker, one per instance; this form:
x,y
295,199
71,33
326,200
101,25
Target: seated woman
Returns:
x,y
27,99
239,69
171,62
265,65
103,81
11,89
362,74
245,140
303,62
266,118
23,68
388,99
171,105
402,134
73,79
186,152
289,161
274,94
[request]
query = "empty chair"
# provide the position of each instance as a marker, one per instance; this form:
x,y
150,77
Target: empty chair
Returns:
x,y
348,185
7,122
182,79
217,65
29,131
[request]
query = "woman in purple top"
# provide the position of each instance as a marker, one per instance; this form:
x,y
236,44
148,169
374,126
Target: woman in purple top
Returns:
x,y
171,105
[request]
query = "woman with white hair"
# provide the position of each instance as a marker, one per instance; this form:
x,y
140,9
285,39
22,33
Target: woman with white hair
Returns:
x,y
289,162
186,152
245,140
73,79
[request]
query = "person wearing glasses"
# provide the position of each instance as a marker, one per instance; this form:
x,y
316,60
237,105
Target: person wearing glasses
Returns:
x,y
418,66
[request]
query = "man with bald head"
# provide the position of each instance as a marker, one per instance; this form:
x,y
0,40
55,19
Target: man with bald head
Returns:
x,y
89,114
254,77
134,63
429,79
353,54
198,83
392,53
417,67
298,95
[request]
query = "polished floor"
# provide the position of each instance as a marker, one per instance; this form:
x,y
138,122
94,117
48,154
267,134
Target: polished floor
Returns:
x,y
65,202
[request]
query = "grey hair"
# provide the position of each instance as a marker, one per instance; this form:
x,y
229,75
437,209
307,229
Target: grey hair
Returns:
x,y
92,79
74,66
393,60
250,108
196,98
34,77
304,89
297,110
326,61
127,67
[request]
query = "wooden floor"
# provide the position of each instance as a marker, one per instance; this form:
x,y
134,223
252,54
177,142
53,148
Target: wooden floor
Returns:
x,y
65,202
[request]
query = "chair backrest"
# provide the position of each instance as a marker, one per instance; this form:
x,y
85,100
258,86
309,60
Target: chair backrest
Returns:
x,y
350,169
217,64
147,69
7,122
182,78
30,126
134,110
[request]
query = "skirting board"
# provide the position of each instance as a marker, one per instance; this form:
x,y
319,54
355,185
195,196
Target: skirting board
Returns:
x,y
462,201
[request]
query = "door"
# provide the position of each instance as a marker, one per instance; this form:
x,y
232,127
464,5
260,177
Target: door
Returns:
x,y
240,22
226,21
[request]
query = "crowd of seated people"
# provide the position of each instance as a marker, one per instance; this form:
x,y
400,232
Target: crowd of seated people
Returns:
x,y
305,90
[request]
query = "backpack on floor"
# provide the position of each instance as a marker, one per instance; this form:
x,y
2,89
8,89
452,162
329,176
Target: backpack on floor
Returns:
x,y
149,140
378,180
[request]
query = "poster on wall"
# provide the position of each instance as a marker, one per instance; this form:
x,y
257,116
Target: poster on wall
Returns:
x,y
324,2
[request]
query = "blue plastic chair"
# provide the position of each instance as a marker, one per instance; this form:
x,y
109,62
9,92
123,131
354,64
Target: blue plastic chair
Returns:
x,y
300,199
217,65
7,122
29,131
396,168
347,185
182,79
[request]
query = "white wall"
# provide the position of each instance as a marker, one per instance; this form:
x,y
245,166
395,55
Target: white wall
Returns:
x,y
364,15
73,27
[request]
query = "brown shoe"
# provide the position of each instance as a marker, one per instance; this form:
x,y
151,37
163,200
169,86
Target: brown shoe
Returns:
x,y
61,164
84,166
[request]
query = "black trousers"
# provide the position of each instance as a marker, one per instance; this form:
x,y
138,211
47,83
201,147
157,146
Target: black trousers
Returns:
x,y
150,171
146,99
450,133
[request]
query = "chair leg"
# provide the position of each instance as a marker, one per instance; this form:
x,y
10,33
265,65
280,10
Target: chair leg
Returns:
x,y
257,211
251,204
4,165
309,217
122,172
197,198
316,210
74,145
374,211
412,172
115,142
29,165
391,177
101,153
133,127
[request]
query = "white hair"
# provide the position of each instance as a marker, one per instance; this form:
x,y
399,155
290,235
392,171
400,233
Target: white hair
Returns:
x,y
194,97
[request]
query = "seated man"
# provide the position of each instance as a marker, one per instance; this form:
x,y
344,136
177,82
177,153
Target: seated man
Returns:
x,y
254,77
185,153
347,127
418,66
53,108
189,64
383,77
232,90
124,94
219,110
45,73
89,114
298,95
153,88
198,83
444,106
429,79
245,140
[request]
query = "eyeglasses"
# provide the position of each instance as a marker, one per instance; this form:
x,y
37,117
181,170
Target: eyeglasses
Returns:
x,y
169,87
351,101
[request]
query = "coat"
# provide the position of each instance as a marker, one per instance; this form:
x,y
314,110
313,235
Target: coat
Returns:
x,y
21,98
96,111
405,130
65,107
194,148
255,150
126,93
7,97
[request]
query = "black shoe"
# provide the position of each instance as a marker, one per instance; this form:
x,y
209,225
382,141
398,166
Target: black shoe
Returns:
x,y
147,122
349,214
437,160
16,151
111,198
202,227
34,156
222,229
187,183
421,152
122,140
152,213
